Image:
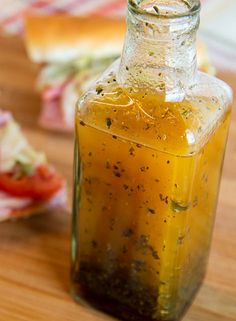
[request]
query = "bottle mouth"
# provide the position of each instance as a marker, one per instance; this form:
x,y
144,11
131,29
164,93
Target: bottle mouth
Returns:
x,y
165,9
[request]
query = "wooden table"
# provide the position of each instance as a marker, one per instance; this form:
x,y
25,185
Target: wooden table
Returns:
x,y
35,253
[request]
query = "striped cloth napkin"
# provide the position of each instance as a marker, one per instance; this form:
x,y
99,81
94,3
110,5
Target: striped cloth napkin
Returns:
x,y
13,11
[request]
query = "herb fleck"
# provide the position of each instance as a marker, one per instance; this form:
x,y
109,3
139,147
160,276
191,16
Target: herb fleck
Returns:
x,y
114,136
108,122
155,254
195,202
151,210
162,86
180,239
117,174
164,198
187,113
141,188
82,123
127,232
131,151
187,3
178,207
144,246
156,9
94,243
99,89
144,168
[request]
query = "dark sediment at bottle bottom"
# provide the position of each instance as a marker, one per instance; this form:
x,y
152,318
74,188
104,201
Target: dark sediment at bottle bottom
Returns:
x,y
112,294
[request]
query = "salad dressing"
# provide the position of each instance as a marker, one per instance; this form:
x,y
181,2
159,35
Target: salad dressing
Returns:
x,y
148,163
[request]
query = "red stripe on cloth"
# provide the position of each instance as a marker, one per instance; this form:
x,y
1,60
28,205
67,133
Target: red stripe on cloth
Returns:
x,y
14,17
108,7
39,4
47,6
68,6
21,14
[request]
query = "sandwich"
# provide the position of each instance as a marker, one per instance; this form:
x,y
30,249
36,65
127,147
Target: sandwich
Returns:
x,y
28,183
73,52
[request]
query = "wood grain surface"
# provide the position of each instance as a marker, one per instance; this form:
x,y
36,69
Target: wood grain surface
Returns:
x,y
35,253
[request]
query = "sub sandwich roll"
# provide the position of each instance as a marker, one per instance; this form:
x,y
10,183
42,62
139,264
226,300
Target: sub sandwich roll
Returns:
x,y
61,38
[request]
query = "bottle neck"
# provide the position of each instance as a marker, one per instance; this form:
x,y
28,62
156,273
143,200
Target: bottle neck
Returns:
x,y
159,54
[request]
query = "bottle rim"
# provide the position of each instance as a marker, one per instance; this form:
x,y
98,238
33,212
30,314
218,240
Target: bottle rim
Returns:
x,y
193,7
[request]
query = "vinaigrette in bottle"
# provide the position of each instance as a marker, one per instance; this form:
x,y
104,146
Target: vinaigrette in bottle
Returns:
x,y
150,142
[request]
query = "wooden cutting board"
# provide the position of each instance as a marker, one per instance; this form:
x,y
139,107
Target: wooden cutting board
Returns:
x,y
35,253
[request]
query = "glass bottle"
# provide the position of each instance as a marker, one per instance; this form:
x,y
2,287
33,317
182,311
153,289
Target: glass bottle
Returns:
x,y
150,142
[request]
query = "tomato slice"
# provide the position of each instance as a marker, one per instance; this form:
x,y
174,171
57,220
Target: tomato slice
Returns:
x,y
41,185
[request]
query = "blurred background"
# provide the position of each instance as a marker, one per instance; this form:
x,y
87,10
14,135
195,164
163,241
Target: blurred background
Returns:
x,y
218,19
34,254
